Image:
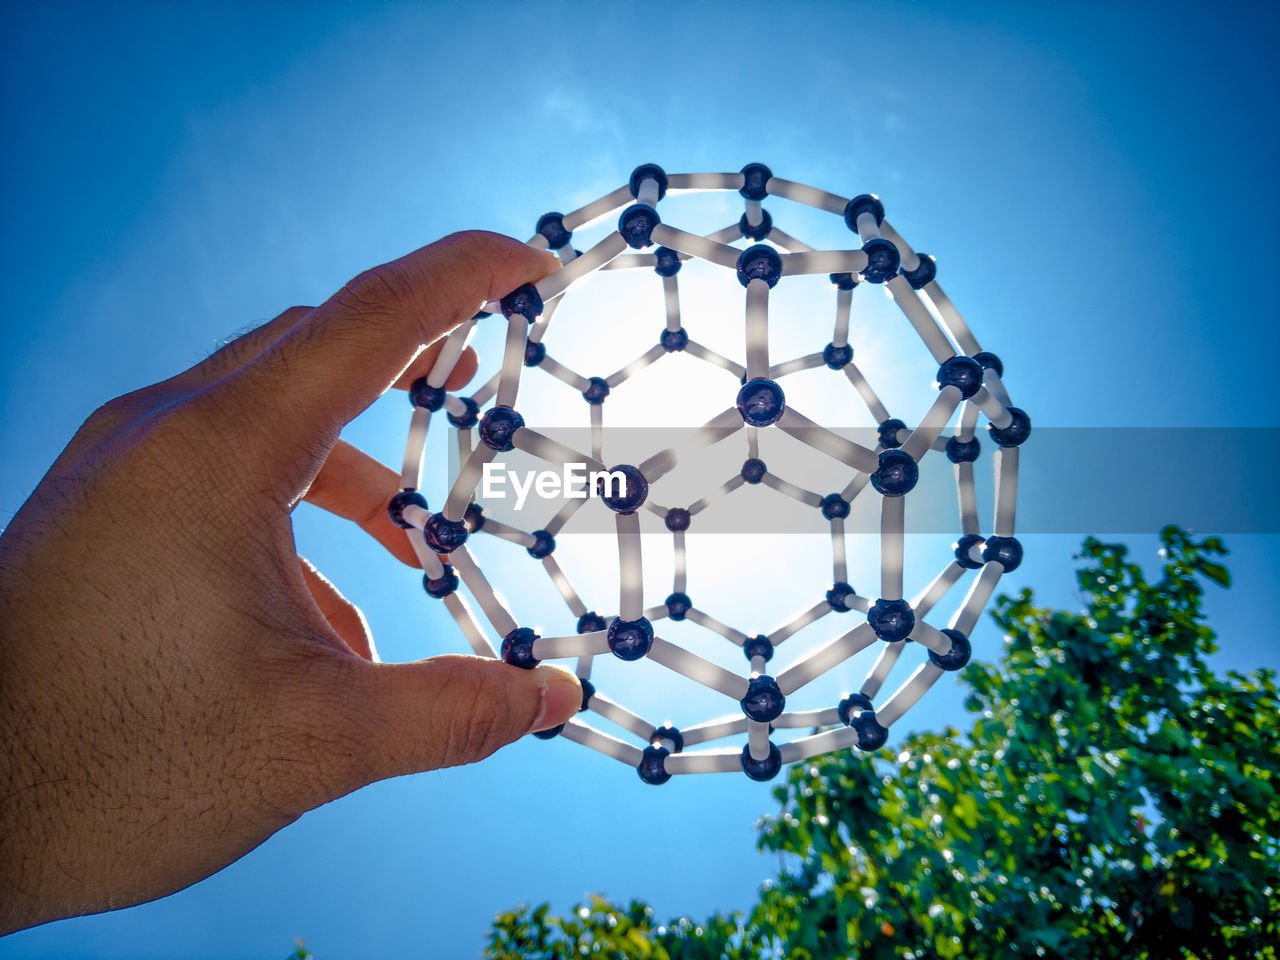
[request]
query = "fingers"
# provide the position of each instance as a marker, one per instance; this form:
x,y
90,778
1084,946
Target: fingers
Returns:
x,y
448,711
343,615
249,346
345,353
354,486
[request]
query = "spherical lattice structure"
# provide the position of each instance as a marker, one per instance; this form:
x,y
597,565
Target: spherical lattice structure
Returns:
x,y
968,385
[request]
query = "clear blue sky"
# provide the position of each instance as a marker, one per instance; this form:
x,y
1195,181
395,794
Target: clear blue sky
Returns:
x,y
1097,181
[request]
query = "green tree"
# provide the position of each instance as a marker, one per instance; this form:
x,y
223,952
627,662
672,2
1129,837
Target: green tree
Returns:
x,y
1114,798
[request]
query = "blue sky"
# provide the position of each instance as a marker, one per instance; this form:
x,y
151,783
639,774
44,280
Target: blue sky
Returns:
x,y
1096,181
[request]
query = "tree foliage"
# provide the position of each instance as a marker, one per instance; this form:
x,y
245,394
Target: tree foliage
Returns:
x,y
1114,798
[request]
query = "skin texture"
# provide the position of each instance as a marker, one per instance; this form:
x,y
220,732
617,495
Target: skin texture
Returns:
x,y
176,684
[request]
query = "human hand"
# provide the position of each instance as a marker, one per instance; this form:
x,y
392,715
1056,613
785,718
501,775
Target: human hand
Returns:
x,y
176,684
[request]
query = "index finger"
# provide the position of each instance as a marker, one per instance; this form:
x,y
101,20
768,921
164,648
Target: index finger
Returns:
x,y
348,351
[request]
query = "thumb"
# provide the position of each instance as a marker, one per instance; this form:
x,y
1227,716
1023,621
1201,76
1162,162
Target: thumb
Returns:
x,y
452,710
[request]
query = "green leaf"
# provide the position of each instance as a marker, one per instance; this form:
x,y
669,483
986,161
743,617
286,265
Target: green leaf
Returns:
x,y
1213,545
1215,572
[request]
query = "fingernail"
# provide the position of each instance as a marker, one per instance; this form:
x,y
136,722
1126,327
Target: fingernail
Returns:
x,y
561,697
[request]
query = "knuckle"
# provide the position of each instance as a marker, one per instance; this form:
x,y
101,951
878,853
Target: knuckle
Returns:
x,y
114,436
121,410
479,724
294,314
379,290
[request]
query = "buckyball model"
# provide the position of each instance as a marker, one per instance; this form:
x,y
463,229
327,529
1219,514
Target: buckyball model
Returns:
x,y
968,377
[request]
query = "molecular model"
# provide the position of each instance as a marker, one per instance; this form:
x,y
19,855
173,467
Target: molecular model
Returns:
x,y
968,380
